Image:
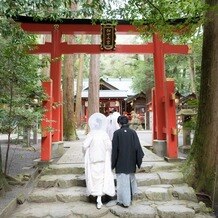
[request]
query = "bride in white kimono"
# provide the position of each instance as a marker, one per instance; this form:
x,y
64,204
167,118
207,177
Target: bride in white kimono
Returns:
x,y
97,150
112,124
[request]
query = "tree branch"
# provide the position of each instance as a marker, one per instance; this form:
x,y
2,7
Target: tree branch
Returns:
x,y
149,2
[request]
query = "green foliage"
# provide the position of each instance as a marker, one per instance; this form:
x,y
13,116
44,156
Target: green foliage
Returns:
x,y
144,75
53,10
117,65
177,67
19,79
164,16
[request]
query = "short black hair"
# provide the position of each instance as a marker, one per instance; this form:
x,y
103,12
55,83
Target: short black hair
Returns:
x,y
122,120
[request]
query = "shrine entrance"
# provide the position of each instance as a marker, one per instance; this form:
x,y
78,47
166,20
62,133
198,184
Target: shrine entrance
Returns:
x,y
163,104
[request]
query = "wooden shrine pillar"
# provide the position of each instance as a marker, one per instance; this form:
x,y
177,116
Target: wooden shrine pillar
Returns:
x,y
165,134
47,123
55,74
159,92
154,129
170,114
61,118
159,75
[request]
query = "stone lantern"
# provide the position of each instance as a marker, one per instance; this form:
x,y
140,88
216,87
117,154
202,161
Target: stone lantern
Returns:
x,y
185,116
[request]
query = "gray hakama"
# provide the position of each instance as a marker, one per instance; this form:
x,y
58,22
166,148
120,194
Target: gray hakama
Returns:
x,y
126,188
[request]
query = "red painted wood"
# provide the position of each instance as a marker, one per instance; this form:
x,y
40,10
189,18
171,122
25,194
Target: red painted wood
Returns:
x,y
170,113
95,49
83,29
61,117
175,49
55,74
42,48
37,28
76,28
154,115
159,74
47,123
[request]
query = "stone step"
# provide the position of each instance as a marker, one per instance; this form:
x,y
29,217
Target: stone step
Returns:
x,y
59,209
152,211
41,195
166,192
146,179
148,209
55,169
147,167
156,166
163,192
143,179
163,209
62,181
171,177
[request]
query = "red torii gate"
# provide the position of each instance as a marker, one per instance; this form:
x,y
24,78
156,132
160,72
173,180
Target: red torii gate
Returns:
x,y
164,114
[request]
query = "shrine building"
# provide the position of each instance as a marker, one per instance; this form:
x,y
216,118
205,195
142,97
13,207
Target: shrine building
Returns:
x,y
115,94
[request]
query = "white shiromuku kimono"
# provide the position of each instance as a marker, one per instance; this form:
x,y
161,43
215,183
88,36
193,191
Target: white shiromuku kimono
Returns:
x,y
112,124
97,149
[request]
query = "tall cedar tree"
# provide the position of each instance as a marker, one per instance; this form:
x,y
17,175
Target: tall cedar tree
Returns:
x,y
203,156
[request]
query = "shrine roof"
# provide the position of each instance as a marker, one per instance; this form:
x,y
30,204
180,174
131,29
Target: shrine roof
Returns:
x,y
133,97
118,83
108,94
115,87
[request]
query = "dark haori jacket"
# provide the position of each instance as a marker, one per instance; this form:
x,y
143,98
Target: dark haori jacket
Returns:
x,y
126,150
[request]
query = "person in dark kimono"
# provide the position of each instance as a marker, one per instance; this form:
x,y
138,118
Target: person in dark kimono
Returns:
x,y
127,153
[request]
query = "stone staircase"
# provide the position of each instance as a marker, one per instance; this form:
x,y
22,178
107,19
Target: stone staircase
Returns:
x,y
60,192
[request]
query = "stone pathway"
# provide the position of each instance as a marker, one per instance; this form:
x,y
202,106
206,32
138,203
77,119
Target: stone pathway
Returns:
x,y
61,192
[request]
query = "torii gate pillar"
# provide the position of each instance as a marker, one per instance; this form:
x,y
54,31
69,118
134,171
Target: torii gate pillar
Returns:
x,y
170,113
55,74
46,123
164,113
159,74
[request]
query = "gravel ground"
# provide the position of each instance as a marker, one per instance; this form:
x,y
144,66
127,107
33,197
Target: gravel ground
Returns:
x,y
21,159
20,162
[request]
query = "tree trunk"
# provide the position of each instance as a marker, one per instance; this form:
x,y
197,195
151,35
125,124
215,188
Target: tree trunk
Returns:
x,y
46,70
183,76
79,88
3,182
68,96
192,73
203,154
93,96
